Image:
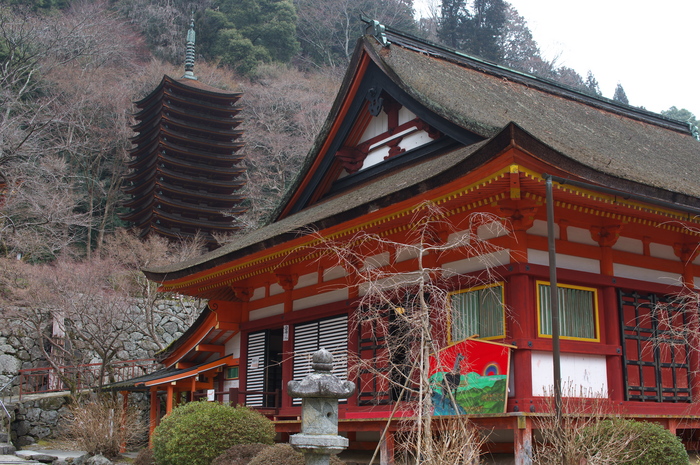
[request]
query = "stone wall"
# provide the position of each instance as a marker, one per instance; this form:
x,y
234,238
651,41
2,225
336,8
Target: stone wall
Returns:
x,y
40,419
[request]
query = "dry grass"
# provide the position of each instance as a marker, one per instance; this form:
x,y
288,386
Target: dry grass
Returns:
x,y
100,425
455,441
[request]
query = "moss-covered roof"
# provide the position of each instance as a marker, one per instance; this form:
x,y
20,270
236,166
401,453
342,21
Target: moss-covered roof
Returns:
x,y
615,139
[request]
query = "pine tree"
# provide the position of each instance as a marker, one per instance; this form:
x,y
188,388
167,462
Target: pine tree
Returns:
x,y
592,84
620,95
453,16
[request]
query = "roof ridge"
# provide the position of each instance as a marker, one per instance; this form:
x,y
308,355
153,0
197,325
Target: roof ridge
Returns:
x,y
417,44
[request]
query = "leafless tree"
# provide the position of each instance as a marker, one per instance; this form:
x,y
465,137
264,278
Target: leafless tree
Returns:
x,y
132,254
591,431
417,297
282,112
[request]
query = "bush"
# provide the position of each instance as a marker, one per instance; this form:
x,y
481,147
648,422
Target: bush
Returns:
x,y
198,432
649,443
284,454
657,445
99,425
240,454
145,457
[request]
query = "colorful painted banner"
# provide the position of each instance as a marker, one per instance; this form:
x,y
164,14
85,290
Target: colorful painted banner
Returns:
x,y
470,377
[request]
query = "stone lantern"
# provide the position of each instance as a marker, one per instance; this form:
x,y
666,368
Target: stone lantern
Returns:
x,y
319,391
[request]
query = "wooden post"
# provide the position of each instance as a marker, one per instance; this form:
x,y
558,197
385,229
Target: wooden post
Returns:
x,y
523,441
122,423
169,400
153,420
386,449
611,325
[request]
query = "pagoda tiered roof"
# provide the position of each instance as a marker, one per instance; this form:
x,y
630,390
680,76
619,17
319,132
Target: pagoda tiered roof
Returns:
x,y
186,166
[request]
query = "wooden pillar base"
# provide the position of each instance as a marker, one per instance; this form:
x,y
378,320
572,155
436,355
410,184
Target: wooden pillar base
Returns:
x,y
386,449
523,441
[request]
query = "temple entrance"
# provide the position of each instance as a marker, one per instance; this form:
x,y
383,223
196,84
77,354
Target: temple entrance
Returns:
x,y
264,374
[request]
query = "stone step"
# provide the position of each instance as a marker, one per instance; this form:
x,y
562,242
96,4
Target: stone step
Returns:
x,y
14,460
7,449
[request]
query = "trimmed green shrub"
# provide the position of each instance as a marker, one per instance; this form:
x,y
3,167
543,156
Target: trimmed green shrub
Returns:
x,y
240,454
660,446
650,443
198,432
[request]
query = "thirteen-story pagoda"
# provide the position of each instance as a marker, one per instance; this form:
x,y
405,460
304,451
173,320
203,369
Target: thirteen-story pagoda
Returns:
x,y
186,167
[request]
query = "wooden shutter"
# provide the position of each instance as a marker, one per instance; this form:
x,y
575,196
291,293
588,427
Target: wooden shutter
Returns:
x,y
255,373
330,334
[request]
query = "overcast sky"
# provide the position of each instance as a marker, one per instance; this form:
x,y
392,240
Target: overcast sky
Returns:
x,y
651,48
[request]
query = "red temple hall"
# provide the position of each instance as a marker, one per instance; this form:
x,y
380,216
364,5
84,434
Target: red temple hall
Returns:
x,y
422,138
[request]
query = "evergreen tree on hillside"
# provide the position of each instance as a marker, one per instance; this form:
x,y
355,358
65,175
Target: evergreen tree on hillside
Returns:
x,y
488,22
477,31
681,114
453,19
592,85
620,95
242,34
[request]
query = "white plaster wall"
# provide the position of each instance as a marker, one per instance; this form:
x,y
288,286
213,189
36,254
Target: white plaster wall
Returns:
x,y
258,293
267,311
405,115
568,262
307,280
491,230
392,282
275,289
662,251
320,299
415,139
581,375
406,253
627,244
376,261
333,273
233,346
539,228
481,262
580,236
457,237
643,274
377,125
376,156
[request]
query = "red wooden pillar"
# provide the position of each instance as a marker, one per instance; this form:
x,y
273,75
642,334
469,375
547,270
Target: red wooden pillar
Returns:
x,y
153,420
612,326
169,400
242,370
386,449
688,252
522,329
522,446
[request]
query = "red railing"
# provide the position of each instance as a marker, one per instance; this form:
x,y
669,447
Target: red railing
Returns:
x,y
47,379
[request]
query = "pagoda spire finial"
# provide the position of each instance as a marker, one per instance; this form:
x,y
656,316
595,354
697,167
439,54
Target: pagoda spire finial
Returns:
x,y
189,56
